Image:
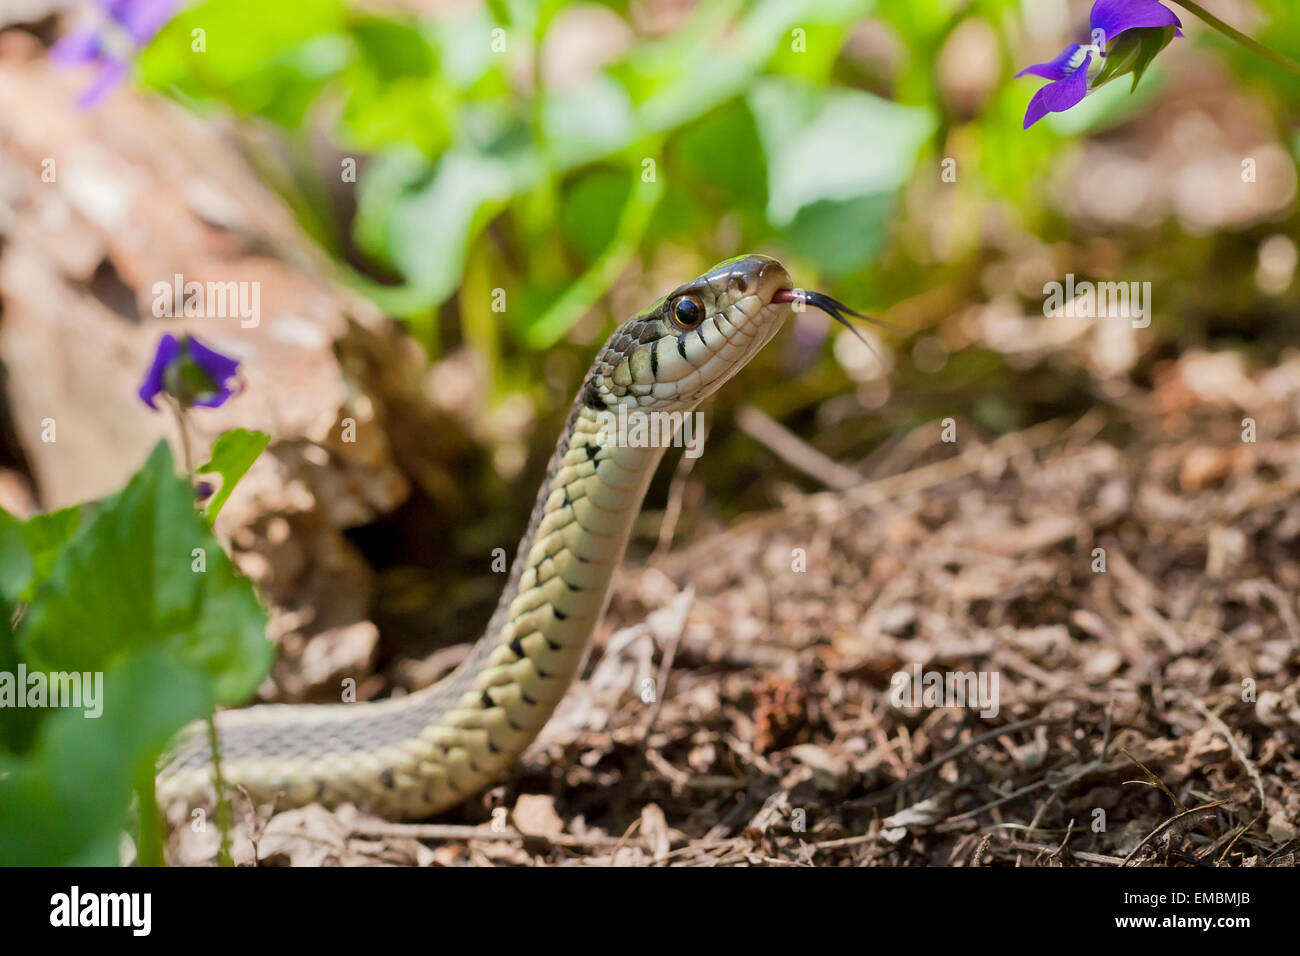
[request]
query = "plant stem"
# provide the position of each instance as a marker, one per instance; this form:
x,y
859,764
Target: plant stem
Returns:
x,y
219,784
1255,46
179,414
149,847
223,804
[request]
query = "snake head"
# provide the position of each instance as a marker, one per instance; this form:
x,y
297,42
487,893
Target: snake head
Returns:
x,y
685,346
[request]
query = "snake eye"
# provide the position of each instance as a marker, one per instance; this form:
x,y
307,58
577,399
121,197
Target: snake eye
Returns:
x,y
688,312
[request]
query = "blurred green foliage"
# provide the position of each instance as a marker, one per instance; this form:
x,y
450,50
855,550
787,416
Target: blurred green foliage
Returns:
x,y
736,113
137,590
813,129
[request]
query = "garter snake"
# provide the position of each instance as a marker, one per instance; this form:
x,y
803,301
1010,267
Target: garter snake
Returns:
x,y
413,756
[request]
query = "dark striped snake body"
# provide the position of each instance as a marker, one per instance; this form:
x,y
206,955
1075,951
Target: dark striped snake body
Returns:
x,y
413,756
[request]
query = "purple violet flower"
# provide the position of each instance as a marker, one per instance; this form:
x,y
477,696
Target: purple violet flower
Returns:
x,y
189,372
1069,71
127,26
1069,76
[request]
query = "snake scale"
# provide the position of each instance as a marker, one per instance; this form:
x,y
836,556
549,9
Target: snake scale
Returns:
x,y
413,756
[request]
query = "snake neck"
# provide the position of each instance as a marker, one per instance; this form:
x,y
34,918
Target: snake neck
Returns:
x,y
558,586
577,533
413,756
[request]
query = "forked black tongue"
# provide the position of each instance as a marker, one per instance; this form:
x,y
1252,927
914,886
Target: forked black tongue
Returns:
x,y
835,309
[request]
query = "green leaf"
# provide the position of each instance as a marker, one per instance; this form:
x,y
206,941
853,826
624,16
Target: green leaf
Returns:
x,y
464,44
1119,60
812,54
262,58
16,565
835,157
66,800
393,49
395,92
409,111
17,724
28,549
232,455
832,144
465,189
146,570
841,236
588,121
1133,53
589,211
45,535
722,151
1152,42
390,179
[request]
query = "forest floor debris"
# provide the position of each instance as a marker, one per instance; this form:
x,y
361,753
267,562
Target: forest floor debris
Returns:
x,y
1134,599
